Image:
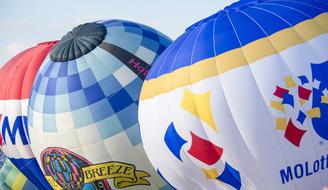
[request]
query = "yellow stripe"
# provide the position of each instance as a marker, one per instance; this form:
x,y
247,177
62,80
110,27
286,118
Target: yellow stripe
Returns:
x,y
235,58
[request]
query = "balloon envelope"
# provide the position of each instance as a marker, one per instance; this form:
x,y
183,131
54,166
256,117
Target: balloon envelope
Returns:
x,y
16,79
83,108
12,179
239,101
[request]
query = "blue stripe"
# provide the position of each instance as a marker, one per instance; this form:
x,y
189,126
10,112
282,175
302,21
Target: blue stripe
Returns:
x,y
237,25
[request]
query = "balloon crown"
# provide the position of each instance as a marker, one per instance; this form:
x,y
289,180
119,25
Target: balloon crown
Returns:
x,y
78,42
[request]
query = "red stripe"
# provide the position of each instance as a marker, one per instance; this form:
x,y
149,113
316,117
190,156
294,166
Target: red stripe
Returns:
x,y
17,75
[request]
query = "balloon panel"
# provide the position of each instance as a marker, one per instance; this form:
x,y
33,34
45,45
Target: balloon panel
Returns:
x,y
83,108
238,102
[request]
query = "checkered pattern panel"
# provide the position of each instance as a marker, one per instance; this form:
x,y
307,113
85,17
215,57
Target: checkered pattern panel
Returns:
x,y
90,105
96,89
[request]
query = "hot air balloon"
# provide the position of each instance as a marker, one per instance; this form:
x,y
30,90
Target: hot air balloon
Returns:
x,y
16,78
239,101
12,179
83,107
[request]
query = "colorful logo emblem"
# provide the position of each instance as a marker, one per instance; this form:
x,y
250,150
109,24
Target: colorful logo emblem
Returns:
x,y
300,101
67,170
63,170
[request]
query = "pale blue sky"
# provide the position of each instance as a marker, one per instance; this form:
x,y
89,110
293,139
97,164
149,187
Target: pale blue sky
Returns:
x,y
24,23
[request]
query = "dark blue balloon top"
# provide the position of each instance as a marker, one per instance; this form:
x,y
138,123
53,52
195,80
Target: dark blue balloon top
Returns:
x,y
78,42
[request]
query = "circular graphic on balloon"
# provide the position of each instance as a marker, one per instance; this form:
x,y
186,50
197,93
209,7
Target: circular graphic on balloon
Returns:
x,y
63,168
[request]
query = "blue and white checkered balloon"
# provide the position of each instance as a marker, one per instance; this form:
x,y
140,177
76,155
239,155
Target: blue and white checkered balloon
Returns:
x,y
85,101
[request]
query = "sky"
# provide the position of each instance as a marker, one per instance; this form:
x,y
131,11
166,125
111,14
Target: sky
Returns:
x,y
24,23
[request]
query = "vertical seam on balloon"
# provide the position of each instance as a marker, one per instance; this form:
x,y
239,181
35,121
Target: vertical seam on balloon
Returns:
x,y
190,86
221,87
228,107
243,182
241,46
173,97
305,42
205,127
201,123
162,64
183,37
200,28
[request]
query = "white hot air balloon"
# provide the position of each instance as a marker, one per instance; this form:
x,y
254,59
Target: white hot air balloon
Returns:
x,y
240,100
